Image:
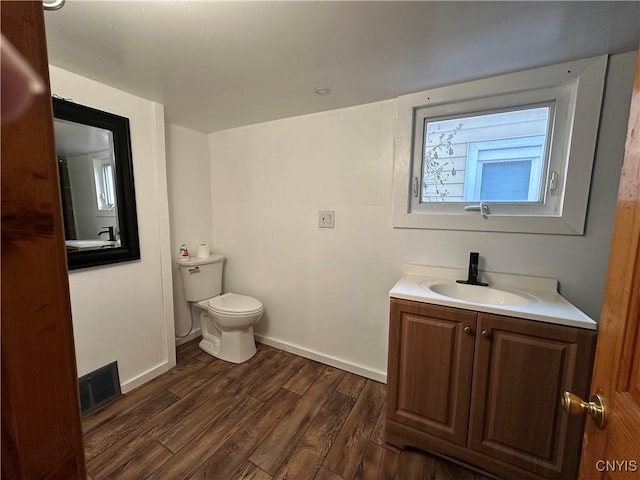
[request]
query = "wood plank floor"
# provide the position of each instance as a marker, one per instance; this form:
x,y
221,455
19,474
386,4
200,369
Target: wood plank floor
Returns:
x,y
277,416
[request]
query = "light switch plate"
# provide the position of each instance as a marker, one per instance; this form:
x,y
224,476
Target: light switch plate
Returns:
x,y
326,218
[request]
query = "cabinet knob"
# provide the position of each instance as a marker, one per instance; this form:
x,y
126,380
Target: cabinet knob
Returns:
x,y
468,330
486,333
574,405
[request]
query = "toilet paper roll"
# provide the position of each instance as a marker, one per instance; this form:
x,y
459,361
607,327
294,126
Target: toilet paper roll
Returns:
x,y
203,250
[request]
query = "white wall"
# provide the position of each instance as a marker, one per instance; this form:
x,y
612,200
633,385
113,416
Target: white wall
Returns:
x,y
189,208
124,312
326,291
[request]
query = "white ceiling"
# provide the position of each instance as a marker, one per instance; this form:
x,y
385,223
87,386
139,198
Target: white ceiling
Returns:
x,y
216,65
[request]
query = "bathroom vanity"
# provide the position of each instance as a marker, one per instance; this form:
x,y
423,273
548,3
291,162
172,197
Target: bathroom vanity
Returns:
x,y
476,373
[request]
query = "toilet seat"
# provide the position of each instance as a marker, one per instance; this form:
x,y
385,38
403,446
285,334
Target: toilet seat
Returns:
x,y
232,304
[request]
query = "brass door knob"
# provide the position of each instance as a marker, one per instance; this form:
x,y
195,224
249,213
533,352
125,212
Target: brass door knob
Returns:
x,y
468,330
595,408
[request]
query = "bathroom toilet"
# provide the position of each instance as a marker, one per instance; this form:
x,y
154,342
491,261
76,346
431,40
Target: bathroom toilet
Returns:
x,y
226,320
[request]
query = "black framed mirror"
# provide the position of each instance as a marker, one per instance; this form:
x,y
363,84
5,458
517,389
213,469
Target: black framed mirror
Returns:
x,y
97,190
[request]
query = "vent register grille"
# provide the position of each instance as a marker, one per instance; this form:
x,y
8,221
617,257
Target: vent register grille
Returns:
x,y
98,387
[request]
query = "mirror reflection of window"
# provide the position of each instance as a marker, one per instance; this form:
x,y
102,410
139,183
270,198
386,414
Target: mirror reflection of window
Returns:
x,y
104,182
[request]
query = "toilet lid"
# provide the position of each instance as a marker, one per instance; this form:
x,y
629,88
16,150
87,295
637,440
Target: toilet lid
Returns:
x,y
232,303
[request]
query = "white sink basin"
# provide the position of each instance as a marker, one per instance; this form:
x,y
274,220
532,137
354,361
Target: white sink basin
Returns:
x,y
531,298
477,294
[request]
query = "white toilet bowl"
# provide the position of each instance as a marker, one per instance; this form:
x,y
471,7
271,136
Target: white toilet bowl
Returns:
x,y
226,325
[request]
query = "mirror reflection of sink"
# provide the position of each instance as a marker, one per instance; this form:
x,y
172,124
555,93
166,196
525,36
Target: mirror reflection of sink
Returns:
x,y
89,243
473,293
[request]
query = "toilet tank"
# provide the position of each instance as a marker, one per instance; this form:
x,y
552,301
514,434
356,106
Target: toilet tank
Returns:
x,y
201,277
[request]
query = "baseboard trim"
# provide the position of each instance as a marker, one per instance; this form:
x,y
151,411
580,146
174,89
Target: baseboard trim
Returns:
x,y
135,382
376,375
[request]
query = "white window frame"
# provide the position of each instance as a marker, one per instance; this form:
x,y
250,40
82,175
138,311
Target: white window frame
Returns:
x,y
575,88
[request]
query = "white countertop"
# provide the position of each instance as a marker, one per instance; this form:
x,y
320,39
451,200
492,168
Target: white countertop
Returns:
x,y
542,301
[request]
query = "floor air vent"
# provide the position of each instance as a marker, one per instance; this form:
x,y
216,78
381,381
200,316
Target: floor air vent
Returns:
x,y
98,387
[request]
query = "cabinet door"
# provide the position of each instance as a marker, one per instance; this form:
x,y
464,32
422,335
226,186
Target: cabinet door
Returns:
x,y
430,365
521,370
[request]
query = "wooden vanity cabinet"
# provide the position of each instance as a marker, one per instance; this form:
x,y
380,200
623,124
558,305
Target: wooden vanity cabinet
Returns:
x,y
432,361
485,389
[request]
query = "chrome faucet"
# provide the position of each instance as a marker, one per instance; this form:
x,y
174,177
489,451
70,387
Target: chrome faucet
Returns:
x,y
110,231
472,277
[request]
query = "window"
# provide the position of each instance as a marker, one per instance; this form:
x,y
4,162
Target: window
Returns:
x,y
510,153
465,157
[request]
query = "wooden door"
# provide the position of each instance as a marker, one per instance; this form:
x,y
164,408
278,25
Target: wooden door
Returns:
x,y
521,368
41,433
430,365
614,452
